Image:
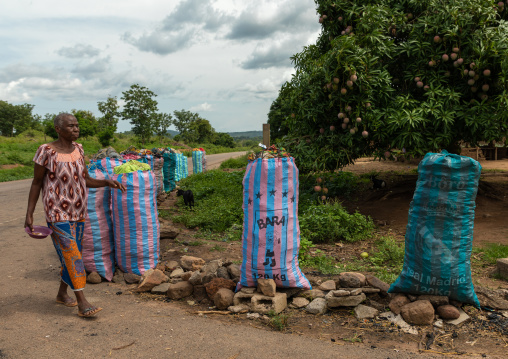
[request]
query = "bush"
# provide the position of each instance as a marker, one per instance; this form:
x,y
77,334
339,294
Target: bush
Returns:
x,y
330,222
239,162
218,199
339,185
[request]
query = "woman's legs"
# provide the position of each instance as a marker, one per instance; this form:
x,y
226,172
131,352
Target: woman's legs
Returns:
x,y
67,238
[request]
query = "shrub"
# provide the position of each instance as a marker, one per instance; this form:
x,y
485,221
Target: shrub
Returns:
x,y
238,162
330,222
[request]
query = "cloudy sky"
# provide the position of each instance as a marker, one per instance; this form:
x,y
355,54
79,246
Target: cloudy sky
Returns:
x,y
225,59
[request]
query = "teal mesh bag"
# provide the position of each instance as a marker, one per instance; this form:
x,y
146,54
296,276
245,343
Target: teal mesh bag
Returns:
x,y
439,234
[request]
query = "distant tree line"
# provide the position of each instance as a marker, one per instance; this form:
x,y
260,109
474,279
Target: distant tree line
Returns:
x,y
140,110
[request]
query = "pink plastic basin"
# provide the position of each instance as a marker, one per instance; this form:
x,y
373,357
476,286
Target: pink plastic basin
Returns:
x,y
39,232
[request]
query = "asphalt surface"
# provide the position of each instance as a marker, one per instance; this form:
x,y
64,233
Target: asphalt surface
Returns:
x,y
32,325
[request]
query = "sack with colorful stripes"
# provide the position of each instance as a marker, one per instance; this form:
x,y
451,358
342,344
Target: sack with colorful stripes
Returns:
x,y
109,163
197,161
156,164
271,232
136,222
98,244
439,235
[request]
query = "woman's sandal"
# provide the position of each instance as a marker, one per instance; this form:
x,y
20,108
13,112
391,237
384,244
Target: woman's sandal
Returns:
x,y
89,312
68,304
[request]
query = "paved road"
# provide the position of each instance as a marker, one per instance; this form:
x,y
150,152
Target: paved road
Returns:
x,y
32,325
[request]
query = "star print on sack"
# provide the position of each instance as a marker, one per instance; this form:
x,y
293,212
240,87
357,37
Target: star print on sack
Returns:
x,y
259,195
272,192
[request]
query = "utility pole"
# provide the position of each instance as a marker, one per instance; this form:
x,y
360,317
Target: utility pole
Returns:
x,y
266,134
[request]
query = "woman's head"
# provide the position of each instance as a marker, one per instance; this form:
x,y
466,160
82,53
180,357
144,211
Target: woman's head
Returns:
x,y
66,125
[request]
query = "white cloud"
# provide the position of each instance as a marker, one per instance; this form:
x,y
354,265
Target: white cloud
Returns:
x,y
204,107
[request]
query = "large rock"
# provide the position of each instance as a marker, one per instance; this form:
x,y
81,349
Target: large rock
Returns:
x,y
217,283
234,272
192,263
207,278
317,306
199,293
171,265
131,278
448,312
328,285
168,232
223,298
186,276
312,294
267,287
177,273
299,302
150,279
364,312
118,277
222,272
196,278
435,300
93,278
502,268
398,302
339,293
161,289
350,301
180,290
420,312
351,280
211,267
491,298
264,304
377,283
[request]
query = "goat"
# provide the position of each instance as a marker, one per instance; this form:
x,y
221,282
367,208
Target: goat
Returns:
x,y
377,183
188,197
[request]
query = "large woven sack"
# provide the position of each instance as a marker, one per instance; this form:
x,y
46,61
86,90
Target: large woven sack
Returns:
x,y
109,163
136,222
271,232
98,245
197,161
439,234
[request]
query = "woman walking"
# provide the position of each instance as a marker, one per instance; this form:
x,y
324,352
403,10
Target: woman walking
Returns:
x,y
61,174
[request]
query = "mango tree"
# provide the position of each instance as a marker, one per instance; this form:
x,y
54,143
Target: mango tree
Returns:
x,y
396,77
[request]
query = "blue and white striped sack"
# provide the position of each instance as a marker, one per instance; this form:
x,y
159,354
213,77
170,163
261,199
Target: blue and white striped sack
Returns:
x,y
439,234
197,161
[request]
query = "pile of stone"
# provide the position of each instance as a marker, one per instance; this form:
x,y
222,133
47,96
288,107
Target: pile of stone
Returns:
x,y
215,282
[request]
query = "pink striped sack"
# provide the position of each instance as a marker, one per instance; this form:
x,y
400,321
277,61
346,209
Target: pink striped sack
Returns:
x,y
109,163
98,241
271,232
136,222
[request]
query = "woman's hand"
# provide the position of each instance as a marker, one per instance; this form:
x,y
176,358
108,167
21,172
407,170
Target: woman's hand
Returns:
x,y
29,222
116,185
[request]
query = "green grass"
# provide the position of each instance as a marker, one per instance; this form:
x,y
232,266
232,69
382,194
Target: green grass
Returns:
x,y
239,162
385,261
14,174
278,321
489,254
218,200
218,248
